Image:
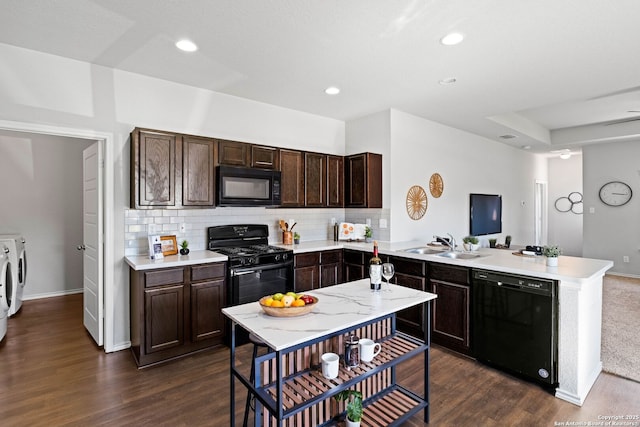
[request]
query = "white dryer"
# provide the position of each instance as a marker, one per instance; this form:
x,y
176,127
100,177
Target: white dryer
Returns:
x,y
18,259
6,289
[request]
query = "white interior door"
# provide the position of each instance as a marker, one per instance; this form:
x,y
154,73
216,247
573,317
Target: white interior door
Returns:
x,y
92,243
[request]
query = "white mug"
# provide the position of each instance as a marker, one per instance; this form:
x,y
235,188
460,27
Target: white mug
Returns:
x,y
368,349
330,364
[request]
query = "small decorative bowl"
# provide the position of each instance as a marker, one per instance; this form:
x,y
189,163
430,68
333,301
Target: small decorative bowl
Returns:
x,y
288,311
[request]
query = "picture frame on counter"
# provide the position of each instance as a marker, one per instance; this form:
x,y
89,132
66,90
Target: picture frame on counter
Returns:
x,y
169,245
155,248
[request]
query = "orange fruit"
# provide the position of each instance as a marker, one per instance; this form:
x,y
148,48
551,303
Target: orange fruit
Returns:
x,y
297,303
277,304
268,302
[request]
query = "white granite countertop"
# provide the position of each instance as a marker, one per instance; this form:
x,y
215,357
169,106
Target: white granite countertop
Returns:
x,y
143,262
574,269
339,307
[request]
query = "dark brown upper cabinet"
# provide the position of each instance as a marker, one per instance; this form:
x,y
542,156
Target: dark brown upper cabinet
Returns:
x,y
198,184
292,178
233,153
155,160
264,157
315,179
335,181
363,180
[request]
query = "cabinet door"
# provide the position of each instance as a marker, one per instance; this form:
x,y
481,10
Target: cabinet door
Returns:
x,y
207,300
233,153
307,271
353,265
154,164
197,171
335,181
315,179
411,320
450,315
363,181
164,314
292,178
330,274
264,157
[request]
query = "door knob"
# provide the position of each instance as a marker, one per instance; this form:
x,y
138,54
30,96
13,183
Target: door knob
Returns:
x,y
81,247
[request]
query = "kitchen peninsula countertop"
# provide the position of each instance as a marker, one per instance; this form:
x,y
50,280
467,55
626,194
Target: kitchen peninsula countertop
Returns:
x,y
339,307
143,262
573,269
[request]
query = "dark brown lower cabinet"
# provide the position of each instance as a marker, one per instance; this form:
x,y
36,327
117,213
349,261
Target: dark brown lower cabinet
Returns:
x,y
410,273
176,311
451,312
315,270
353,265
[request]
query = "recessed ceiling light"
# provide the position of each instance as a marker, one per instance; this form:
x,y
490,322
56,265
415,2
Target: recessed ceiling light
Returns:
x,y
332,90
565,156
186,45
452,39
448,81
526,147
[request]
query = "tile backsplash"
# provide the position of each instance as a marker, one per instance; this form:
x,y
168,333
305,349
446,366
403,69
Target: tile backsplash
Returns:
x,y
312,224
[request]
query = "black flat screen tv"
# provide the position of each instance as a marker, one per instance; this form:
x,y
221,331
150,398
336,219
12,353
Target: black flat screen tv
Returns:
x,y
485,214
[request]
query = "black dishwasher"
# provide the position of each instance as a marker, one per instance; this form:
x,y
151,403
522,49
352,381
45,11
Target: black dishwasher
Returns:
x,y
515,324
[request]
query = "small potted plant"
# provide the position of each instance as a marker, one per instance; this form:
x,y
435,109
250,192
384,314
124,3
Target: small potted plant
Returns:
x,y
492,243
354,406
470,243
296,237
184,248
552,252
368,234
507,241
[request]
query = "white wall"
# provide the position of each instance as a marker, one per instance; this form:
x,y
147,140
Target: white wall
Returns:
x,y
49,90
565,228
612,232
42,200
467,163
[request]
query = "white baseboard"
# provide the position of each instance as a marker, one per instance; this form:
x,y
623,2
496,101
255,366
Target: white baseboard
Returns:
x,y
52,294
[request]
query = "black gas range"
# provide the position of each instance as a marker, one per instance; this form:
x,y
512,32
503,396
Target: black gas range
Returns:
x,y
255,268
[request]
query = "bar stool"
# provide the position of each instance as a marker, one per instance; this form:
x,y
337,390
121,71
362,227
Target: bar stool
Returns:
x,y
257,343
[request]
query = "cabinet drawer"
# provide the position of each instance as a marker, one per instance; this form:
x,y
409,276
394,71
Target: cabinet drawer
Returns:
x,y
354,257
449,273
163,277
307,260
204,272
409,266
331,257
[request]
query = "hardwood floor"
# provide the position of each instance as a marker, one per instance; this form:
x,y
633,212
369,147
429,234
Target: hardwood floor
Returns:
x,y
52,374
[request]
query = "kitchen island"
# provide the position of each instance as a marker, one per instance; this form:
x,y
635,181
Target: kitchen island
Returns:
x,y
288,382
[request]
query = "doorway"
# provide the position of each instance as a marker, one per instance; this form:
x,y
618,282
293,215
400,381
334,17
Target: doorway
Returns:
x,y
105,143
540,213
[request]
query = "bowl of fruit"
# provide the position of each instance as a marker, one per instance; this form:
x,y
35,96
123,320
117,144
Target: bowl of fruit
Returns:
x,y
287,305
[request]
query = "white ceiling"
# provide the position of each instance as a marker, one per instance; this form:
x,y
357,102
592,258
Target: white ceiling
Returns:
x,y
554,73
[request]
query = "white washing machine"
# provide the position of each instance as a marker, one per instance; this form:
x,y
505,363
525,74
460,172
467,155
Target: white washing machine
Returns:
x,y
18,259
6,289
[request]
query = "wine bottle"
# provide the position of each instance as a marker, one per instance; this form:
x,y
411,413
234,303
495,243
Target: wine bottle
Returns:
x,y
375,269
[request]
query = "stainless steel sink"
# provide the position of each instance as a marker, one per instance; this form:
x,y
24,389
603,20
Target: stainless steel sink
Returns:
x,y
460,255
424,250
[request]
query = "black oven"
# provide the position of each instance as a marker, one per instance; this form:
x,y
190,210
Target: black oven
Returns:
x,y
239,186
255,268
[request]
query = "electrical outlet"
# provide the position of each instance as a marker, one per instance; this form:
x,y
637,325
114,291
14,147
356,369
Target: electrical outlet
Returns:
x,y
333,221
183,227
151,229
368,222
625,258
383,223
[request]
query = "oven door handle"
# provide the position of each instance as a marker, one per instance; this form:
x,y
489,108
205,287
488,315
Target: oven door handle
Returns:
x,y
249,270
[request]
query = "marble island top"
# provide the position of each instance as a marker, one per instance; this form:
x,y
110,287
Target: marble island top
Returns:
x,y
338,307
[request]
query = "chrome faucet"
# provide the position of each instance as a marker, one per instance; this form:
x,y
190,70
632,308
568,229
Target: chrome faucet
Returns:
x,y
451,242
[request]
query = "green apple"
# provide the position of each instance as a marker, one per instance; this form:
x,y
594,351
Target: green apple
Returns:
x,y
278,296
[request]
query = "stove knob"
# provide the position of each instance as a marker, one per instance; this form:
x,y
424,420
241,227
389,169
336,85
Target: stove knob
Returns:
x,y
284,257
250,260
277,257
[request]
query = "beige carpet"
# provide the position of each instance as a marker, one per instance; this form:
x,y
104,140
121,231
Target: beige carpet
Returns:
x,y
621,326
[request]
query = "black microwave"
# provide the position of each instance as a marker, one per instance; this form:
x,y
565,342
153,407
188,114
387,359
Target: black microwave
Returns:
x,y
238,186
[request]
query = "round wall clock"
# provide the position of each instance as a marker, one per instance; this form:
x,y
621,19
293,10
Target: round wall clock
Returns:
x,y
416,202
615,193
436,185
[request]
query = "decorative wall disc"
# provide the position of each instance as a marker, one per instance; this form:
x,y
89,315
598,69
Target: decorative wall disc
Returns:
x,y
416,202
436,185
